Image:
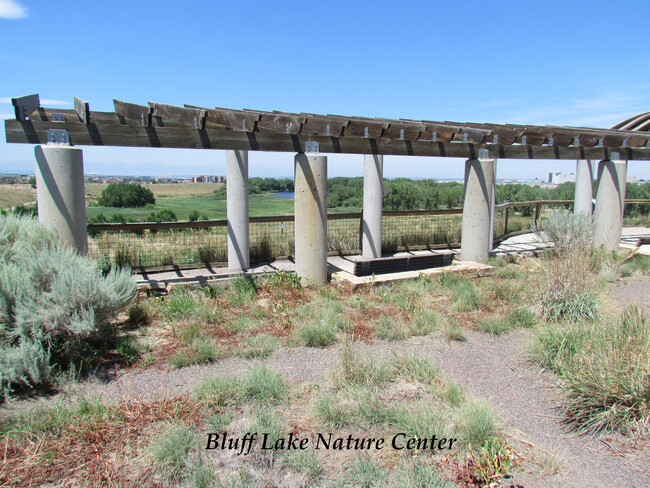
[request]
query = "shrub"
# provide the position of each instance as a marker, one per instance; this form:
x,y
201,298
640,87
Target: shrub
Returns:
x,y
567,231
52,301
604,371
126,195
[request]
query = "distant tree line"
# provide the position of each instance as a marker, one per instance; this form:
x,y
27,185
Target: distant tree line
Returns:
x,y
257,185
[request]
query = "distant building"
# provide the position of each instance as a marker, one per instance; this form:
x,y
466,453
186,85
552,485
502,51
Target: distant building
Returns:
x,y
559,178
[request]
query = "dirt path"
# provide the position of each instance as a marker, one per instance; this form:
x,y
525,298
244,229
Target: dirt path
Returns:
x,y
495,368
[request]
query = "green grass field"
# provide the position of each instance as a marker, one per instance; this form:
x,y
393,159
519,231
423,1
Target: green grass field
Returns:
x,y
182,206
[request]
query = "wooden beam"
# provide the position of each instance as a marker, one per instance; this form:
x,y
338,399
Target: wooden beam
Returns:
x,y
35,132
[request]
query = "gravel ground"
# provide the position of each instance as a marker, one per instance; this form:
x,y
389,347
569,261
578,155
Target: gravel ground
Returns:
x,y
495,368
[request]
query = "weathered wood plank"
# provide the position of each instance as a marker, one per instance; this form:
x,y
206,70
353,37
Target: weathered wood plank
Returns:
x,y
237,120
140,114
35,132
82,108
25,105
322,125
164,115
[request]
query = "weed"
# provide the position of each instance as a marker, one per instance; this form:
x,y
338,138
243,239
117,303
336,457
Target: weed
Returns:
x,y
306,462
467,296
392,329
495,324
364,472
413,367
331,411
138,315
179,305
176,457
128,349
521,317
358,369
282,280
424,322
201,349
417,473
220,421
264,386
242,290
493,460
568,232
453,332
316,333
258,346
604,371
218,390
421,419
474,423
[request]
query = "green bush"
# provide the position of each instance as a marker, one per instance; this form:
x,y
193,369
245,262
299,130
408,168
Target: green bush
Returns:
x,y
52,302
126,195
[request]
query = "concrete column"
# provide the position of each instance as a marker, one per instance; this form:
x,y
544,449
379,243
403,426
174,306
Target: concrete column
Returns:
x,y
584,188
479,176
61,194
493,204
237,210
610,199
311,217
373,198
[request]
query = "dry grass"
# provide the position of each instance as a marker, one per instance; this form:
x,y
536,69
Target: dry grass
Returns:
x,y
12,195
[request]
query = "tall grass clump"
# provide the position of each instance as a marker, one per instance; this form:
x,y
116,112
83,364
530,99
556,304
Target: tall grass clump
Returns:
x,y
53,302
570,292
605,372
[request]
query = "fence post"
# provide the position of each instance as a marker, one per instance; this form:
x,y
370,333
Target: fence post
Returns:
x,y
361,231
538,208
505,220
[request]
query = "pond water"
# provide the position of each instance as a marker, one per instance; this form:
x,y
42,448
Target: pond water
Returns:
x,y
284,194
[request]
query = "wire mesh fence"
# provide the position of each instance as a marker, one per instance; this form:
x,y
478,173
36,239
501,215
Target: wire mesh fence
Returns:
x,y
203,242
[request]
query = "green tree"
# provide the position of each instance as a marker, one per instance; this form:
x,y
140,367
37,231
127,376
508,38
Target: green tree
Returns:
x,y
126,195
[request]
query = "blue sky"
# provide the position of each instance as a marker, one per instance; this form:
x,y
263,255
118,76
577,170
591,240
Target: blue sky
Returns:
x,y
552,62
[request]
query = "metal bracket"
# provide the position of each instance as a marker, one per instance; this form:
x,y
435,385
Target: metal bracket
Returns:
x,y
286,131
600,143
615,156
58,117
243,125
523,140
434,137
312,147
401,134
483,153
365,132
550,141
58,136
576,141
327,130
23,106
624,143
495,139
464,136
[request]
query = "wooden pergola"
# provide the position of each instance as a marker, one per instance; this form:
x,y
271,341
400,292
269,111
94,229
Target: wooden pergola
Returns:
x,y
309,136
161,125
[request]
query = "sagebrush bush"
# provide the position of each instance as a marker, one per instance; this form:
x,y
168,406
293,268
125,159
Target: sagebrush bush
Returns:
x,y
567,231
51,301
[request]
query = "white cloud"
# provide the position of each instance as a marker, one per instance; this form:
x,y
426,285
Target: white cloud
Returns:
x,y
9,9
